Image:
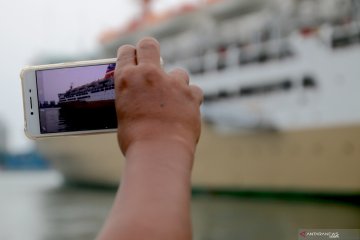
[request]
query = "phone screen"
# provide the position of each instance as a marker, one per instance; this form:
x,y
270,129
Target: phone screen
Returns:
x,y
76,98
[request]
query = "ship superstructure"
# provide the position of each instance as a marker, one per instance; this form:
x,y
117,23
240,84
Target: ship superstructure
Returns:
x,y
96,91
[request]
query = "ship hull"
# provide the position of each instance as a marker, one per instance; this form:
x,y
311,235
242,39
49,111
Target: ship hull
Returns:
x,y
313,160
82,115
85,105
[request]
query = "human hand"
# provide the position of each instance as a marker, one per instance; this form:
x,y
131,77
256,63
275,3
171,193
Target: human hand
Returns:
x,y
152,105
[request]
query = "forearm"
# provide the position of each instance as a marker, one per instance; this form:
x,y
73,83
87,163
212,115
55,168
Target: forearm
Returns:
x,y
159,126
154,197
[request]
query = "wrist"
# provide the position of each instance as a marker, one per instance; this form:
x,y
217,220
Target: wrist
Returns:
x,y
154,131
171,153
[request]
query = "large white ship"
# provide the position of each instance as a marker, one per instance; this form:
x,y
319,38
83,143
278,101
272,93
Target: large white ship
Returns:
x,y
282,105
98,92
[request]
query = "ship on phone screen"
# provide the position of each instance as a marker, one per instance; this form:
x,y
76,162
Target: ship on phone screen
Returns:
x,y
76,98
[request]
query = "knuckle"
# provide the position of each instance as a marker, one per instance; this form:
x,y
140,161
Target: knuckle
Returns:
x,y
150,70
123,75
197,93
182,72
127,72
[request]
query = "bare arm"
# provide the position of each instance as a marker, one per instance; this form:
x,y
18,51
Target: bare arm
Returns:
x,y
159,127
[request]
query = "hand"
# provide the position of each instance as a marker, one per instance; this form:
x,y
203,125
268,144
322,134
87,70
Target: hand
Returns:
x,y
152,105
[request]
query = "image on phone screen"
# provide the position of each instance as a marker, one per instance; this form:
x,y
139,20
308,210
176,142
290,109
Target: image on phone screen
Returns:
x,y
76,98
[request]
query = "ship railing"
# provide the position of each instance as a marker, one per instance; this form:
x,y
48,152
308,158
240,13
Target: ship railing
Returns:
x,y
262,88
237,55
340,35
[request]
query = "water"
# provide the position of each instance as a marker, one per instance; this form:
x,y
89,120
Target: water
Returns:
x,y
50,121
37,206
88,116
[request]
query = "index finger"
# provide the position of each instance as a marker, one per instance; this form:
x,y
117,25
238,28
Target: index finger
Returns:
x,y
148,51
126,56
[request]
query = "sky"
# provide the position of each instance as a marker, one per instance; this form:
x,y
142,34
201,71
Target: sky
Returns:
x,y
32,28
53,82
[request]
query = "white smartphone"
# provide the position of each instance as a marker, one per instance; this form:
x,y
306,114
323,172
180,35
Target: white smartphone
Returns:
x,y
69,98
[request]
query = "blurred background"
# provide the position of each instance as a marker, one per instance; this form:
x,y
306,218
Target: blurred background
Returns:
x,y
280,145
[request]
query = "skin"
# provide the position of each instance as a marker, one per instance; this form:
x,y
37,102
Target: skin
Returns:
x,y
159,127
